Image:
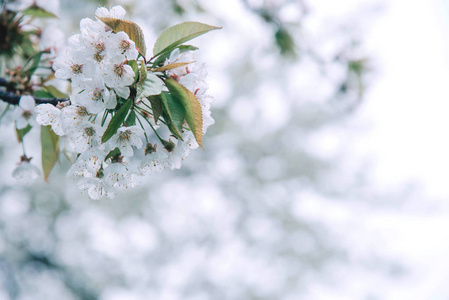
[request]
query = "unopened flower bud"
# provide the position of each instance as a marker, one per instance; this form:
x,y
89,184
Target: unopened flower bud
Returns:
x,y
169,146
150,148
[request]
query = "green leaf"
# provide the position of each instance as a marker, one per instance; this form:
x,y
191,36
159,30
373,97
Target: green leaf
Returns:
x,y
27,48
55,92
116,121
38,12
22,132
142,73
357,66
31,65
285,42
194,114
131,29
156,106
50,149
179,34
152,85
166,54
167,115
131,119
135,68
177,111
113,153
42,94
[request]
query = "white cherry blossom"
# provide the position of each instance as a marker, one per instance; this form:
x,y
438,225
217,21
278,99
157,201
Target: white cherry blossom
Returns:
x,y
85,136
52,38
176,56
182,150
19,5
126,138
87,164
24,113
96,188
120,177
47,114
116,12
73,115
118,73
96,64
94,95
154,163
26,172
94,39
93,29
120,44
73,65
74,43
195,80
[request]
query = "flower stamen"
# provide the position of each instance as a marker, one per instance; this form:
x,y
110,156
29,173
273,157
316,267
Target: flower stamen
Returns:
x,y
125,45
90,131
119,69
77,69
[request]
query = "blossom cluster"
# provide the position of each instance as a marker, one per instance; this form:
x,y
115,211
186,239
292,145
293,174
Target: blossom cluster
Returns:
x,y
95,62
103,66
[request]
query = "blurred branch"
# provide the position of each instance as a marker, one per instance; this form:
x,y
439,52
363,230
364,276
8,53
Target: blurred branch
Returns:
x,y
71,284
13,98
8,278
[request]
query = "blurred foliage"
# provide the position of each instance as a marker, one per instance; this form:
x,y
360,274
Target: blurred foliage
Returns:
x,y
283,36
233,222
14,41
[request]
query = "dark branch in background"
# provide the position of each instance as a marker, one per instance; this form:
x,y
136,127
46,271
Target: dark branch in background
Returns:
x,y
71,282
12,98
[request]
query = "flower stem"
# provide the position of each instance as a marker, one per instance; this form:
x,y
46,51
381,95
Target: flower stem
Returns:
x,y
151,125
144,132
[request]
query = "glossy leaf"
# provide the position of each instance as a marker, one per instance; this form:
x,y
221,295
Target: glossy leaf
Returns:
x,y
194,114
131,119
156,106
111,154
116,121
50,149
178,34
168,117
177,111
130,28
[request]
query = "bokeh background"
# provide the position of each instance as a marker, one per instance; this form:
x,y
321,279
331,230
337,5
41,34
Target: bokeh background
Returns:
x,y
324,177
